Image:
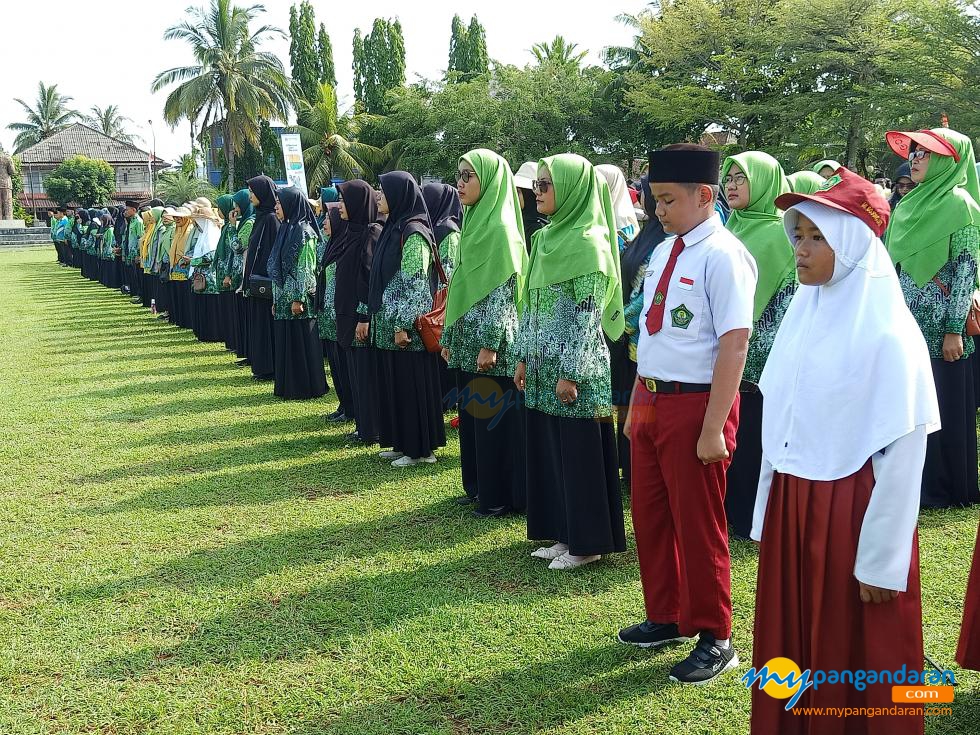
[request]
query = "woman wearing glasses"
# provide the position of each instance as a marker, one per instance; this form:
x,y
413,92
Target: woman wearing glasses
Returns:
x,y
934,240
752,181
903,185
572,296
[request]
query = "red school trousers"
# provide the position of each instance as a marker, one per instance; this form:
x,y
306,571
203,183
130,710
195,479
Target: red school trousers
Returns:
x,y
679,513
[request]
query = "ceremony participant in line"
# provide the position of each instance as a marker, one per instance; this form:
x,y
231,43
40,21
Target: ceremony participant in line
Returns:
x,y
335,231
93,246
849,401
159,249
573,302
262,195
74,237
179,268
697,317
243,215
120,225
224,266
531,219
934,240
298,365
205,295
353,257
752,181
402,285
59,233
148,287
132,234
805,182
108,250
903,185
480,331
825,168
635,260
627,224
53,218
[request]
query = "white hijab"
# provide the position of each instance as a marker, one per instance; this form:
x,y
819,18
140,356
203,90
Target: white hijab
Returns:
x,y
849,370
622,204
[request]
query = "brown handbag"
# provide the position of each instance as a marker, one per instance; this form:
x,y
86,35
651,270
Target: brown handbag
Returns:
x,y
973,316
430,325
199,283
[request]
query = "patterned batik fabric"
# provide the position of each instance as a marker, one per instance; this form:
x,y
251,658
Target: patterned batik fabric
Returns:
x,y
634,307
561,337
765,328
327,318
406,298
449,253
490,324
938,313
236,258
299,285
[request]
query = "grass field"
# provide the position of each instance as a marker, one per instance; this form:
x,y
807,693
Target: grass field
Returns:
x,y
180,552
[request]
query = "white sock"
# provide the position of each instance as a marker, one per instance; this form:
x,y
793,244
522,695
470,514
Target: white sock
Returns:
x,y
560,547
723,643
575,558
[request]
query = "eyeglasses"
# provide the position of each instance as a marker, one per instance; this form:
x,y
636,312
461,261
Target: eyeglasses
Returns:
x,y
905,187
737,179
917,155
541,186
465,175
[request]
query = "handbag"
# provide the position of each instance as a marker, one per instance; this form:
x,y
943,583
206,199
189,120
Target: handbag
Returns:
x,y
430,325
260,287
199,283
973,316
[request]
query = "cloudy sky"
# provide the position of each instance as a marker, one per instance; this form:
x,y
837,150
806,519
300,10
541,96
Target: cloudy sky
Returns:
x,y
109,52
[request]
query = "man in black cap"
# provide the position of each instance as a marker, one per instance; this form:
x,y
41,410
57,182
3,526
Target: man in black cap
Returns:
x,y
698,300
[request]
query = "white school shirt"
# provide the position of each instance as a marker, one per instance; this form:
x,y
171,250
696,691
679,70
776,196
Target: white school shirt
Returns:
x,y
711,293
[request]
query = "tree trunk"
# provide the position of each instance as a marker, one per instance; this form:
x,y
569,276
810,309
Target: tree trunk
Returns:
x,y
853,139
229,154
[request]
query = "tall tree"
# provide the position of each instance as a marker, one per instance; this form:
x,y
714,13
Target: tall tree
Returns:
x,y
50,114
558,52
457,47
328,73
307,66
379,63
83,180
477,59
359,67
109,121
232,82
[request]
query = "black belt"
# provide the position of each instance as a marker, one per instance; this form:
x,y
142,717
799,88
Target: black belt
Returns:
x,y
672,386
747,387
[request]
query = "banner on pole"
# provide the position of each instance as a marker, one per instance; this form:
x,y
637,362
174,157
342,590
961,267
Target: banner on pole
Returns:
x,y
292,153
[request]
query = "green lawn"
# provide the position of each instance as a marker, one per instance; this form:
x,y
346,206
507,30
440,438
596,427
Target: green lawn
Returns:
x,y
180,552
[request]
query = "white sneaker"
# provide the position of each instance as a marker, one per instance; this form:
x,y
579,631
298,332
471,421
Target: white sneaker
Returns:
x,y
431,459
548,553
566,562
405,462
388,454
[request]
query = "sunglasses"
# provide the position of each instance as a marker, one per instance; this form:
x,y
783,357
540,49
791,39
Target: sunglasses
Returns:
x,y
737,179
918,155
541,186
466,175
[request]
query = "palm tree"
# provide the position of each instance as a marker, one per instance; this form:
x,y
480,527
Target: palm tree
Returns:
x,y
329,141
559,52
232,83
110,122
179,187
50,115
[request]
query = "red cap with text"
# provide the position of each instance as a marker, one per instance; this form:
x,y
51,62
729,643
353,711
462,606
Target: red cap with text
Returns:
x,y
847,192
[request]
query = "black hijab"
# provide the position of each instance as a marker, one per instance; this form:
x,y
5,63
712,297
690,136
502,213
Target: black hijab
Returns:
x,y
264,230
300,223
445,209
81,219
904,172
338,232
407,216
638,251
121,225
529,216
354,256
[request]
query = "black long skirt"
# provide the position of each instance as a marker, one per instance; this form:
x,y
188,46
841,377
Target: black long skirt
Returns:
x,y
260,337
573,493
949,478
112,270
240,316
492,441
149,290
447,383
976,370
623,377
467,440
226,315
206,312
83,267
742,478
299,370
362,363
340,372
410,402
136,280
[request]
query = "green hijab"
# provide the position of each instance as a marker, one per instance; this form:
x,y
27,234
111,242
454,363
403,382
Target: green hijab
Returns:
x,y
491,243
918,233
581,237
823,164
760,225
225,202
805,182
245,205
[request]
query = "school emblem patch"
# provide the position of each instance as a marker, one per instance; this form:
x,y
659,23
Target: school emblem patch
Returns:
x,y
681,317
831,182
658,299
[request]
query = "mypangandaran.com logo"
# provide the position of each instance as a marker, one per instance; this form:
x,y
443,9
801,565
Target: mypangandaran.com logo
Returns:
x,y
781,678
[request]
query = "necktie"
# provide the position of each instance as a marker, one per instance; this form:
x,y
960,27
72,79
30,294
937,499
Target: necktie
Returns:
x,y
655,317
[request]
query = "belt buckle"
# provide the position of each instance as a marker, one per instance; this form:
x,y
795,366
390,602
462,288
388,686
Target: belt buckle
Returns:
x,y
651,384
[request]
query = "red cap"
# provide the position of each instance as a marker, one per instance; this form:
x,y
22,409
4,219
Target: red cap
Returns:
x,y
847,192
901,143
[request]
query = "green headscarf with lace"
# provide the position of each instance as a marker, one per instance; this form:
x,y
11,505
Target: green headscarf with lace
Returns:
x,y
581,237
491,243
918,235
225,203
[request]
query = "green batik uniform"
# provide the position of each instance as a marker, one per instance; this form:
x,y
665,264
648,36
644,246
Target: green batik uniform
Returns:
x,y
239,245
134,233
765,328
299,285
491,324
406,297
561,337
449,253
327,317
108,245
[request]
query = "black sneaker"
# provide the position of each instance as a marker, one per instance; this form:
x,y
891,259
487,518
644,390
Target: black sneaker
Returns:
x,y
243,362
651,635
466,500
498,512
706,662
